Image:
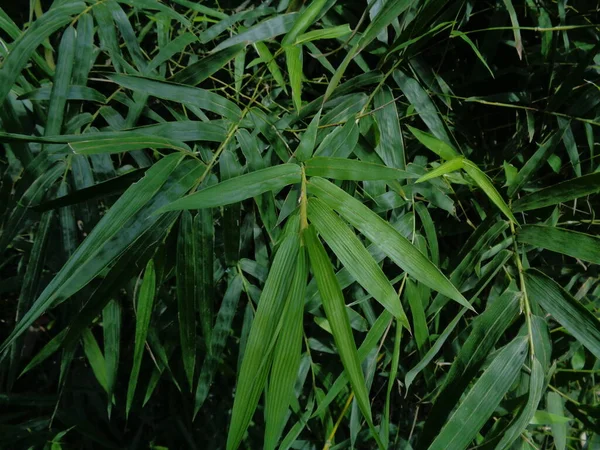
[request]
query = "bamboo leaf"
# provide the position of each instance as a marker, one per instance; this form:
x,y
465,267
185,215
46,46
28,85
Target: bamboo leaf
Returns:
x,y
187,301
181,94
307,143
335,309
559,193
239,188
293,57
351,169
27,43
303,21
326,33
536,388
566,310
286,356
396,246
391,141
258,353
572,243
124,143
449,166
483,398
484,182
99,248
145,304
355,258
111,325
263,31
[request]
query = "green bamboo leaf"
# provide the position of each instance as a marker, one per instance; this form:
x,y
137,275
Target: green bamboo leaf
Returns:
x,y
572,243
268,58
486,329
413,294
84,49
335,309
307,142
437,146
286,356
30,287
29,41
516,28
231,168
95,358
263,31
341,141
351,169
111,325
355,258
391,141
293,58
484,182
535,162
107,32
187,279
483,398
62,79
196,73
559,428
102,245
426,109
145,302
390,11
559,193
449,166
304,20
366,347
181,94
326,33
396,246
566,310
467,39
219,336
204,227
33,195
239,188
258,352
536,388
169,50
124,143
73,93
430,232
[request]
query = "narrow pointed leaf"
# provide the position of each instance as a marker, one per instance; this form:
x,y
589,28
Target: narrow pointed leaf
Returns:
x,y
293,58
187,279
565,309
351,169
304,20
335,309
258,352
448,167
119,144
559,193
572,243
355,257
437,146
536,388
240,188
144,312
307,143
286,356
97,250
396,246
484,182
268,29
482,399
29,41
